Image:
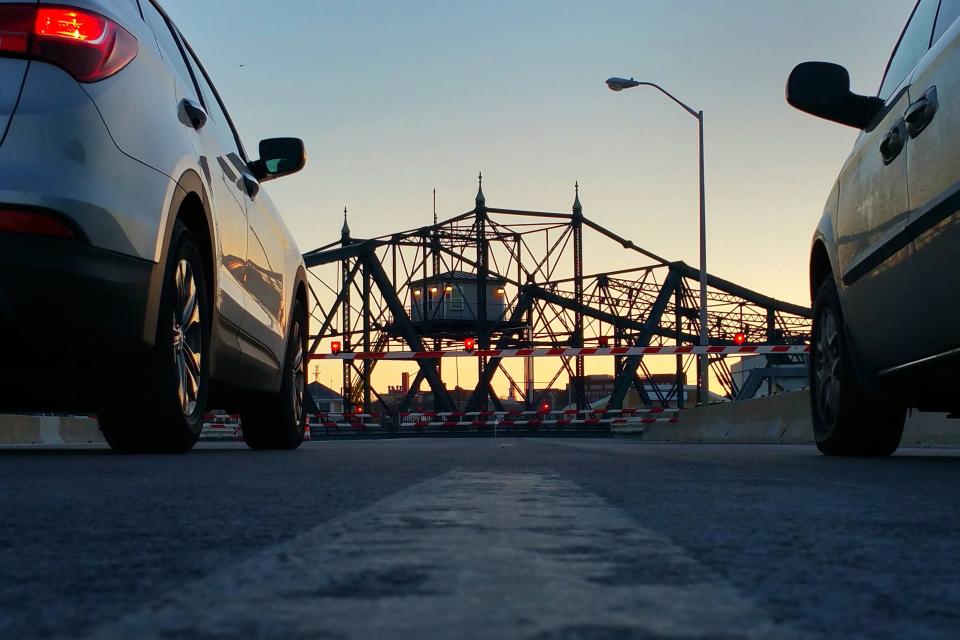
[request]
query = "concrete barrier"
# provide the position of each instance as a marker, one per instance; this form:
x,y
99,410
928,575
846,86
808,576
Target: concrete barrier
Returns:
x,y
931,430
49,430
57,430
782,419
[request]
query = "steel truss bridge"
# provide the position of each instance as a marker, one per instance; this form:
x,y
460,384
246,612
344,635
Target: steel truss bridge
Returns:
x,y
364,298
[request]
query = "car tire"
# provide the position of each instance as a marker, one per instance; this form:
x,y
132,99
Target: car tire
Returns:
x,y
278,421
161,410
846,420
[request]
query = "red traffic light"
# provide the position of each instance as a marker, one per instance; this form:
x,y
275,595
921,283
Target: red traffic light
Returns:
x,y
545,407
336,347
469,344
740,339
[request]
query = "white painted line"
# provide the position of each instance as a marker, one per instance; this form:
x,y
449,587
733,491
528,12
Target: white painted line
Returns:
x,y
466,555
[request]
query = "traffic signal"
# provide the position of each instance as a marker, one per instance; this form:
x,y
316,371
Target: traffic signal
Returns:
x,y
336,347
469,344
740,338
544,407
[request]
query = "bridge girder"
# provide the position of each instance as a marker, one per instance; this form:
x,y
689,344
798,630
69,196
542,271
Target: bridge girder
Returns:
x,y
550,299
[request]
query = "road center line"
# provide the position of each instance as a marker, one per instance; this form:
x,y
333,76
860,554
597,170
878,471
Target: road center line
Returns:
x,y
465,555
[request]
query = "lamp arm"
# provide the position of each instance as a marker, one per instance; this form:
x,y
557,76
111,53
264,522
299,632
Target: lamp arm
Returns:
x,y
686,107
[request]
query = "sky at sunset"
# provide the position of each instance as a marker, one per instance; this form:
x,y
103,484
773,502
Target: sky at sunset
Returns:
x,y
396,98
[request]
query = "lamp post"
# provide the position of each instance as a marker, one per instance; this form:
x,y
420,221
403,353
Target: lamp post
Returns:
x,y
703,380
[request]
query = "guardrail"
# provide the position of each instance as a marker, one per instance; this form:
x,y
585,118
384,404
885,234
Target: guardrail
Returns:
x,y
340,423
568,419
228,426
221,426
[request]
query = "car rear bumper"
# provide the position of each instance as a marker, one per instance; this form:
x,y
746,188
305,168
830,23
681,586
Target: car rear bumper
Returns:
x,y
69,313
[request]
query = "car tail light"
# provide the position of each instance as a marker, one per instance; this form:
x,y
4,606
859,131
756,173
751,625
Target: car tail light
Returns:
x,y
87,45
36,223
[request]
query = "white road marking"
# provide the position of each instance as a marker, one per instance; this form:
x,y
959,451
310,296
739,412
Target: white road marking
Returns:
x,y
466,555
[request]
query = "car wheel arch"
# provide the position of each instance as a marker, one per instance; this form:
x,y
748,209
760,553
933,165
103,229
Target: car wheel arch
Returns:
x,y
191,205
301,295
820,267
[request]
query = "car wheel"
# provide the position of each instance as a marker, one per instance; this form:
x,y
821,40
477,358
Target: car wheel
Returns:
x,y
278,421
159,407
846,420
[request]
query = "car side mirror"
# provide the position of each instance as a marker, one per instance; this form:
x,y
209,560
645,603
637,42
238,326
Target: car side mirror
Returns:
x,y
279,157
822,89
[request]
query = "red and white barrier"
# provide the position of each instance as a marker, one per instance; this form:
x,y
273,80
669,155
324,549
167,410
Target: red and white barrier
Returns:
x,y
582,419
228,427
562,352
449,420
219,426
337,422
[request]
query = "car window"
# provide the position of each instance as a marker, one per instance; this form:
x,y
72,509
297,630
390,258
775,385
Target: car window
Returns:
x,y
170,49
949,11
219,120
913,44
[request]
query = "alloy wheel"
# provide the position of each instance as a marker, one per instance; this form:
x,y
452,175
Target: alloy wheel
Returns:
x,y
828,366
187,337
298,372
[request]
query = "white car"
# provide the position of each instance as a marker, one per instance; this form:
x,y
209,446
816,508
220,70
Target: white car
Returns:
x,y
883,267
144,272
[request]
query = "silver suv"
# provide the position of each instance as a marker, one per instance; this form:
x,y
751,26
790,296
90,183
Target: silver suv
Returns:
x,y
883,268
144,272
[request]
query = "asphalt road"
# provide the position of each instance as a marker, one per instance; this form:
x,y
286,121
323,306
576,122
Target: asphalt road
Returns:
x,y
515,538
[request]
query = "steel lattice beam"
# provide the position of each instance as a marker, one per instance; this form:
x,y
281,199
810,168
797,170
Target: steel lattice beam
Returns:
x,y
554,301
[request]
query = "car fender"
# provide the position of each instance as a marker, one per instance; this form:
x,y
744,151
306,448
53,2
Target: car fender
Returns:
x,y
298,277
825,237
189,183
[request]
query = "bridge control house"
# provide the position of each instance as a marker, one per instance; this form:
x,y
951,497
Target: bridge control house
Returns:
x,y
448,303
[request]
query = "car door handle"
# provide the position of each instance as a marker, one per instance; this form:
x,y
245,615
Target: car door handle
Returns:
x,y
192,114
921,113
250,184
893,143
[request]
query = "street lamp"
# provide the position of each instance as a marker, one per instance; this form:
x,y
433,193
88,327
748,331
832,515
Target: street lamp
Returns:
x,y
703,383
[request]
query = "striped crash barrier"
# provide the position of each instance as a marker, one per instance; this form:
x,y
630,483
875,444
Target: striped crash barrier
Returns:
x,y
562,352
221,426
484,420
449,420
338,422
589,418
